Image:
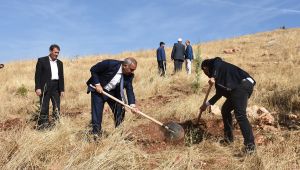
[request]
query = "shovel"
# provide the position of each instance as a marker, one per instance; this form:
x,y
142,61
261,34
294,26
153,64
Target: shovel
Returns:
x,y
205,99
173,131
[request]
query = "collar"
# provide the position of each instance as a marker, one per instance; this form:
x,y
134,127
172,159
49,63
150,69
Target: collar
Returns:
x,y
51,59
120,70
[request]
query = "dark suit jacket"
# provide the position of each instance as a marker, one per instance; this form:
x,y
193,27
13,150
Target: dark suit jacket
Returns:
x,y
178,52
227,78
43,74
104,71
189,52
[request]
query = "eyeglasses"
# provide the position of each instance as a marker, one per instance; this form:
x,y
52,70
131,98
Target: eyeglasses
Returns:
x,y
56,52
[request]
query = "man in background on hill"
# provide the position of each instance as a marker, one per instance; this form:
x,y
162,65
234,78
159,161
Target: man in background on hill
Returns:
x,y
178,55
49,85
161,59
237,86
189,56
111,76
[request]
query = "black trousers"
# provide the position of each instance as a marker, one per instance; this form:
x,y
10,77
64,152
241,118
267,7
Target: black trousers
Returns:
x,y
237,101
162,66
51,93
97,102
178,65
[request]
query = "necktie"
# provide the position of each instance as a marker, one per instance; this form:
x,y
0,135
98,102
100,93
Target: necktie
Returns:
x,y
122,89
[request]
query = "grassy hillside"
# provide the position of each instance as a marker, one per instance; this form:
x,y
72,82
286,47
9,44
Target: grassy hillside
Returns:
x,y
273,58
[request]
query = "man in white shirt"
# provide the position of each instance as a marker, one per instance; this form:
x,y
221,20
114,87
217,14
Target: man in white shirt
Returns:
x,y
49,85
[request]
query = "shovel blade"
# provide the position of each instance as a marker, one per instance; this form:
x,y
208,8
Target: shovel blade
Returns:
x,y
174,132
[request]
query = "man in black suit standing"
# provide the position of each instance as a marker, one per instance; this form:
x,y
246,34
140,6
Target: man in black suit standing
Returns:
x,y
49,85
178,55
111,76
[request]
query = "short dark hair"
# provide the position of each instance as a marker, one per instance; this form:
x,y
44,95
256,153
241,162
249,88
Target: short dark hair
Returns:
x,y
161,43
52,46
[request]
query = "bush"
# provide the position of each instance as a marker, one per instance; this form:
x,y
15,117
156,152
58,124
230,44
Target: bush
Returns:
x,y
22,91
285,100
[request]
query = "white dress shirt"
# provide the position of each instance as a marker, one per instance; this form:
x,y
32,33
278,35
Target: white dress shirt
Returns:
x,y
54,69
114,81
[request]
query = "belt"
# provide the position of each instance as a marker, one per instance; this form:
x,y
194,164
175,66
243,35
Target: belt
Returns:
x,y
54,80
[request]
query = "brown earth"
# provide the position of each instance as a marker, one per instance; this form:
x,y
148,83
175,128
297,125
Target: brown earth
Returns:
x,y
9,124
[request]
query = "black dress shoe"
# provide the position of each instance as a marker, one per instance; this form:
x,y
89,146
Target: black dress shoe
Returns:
x,y
43,126
225,142
249,149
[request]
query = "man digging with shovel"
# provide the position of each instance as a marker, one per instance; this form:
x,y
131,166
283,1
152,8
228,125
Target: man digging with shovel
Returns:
x,y
111,76
237,86
108,80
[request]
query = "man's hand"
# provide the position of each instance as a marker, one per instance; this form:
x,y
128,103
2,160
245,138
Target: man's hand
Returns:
x,y
135,109
211,81
203,107
62,94
99,89
38,92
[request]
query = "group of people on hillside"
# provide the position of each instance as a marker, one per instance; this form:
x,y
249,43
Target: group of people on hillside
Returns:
x,y
115,76
180,53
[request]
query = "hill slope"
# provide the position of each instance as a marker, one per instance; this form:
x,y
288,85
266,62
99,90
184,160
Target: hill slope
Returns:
x,y
273,58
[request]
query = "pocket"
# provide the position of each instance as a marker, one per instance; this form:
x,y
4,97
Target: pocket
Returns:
x,y
248,86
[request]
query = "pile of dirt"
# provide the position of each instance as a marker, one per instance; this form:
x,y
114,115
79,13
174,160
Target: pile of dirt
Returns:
x,y
72,112
150,137
9,124
158,100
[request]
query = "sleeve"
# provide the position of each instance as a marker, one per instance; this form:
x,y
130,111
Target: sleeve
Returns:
x,y
216,97
192,53
97,69
129,92
158,54
62,78
163,54
37,76
173,53
189,52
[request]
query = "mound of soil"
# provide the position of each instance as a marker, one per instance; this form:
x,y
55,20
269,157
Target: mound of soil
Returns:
x,y
10,124
151,138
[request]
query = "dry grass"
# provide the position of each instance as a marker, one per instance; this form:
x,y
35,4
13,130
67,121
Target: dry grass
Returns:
x,y
273,58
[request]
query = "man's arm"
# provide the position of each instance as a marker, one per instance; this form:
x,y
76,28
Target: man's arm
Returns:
x,y
163,54
37,77
158,54
173,52
62,78
99,68
129,92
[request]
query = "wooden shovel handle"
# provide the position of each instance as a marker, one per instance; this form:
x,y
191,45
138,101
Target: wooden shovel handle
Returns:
x,y
205,99
131,108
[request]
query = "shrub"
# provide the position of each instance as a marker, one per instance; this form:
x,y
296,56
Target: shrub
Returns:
x,y
22,91
287,100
